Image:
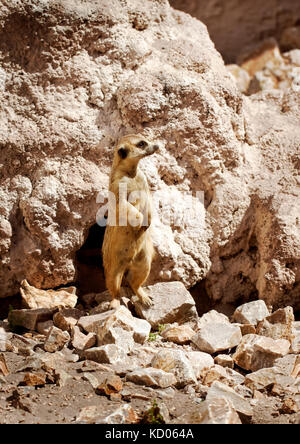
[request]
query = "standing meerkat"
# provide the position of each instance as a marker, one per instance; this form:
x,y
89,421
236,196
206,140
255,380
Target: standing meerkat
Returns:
x,y
127,246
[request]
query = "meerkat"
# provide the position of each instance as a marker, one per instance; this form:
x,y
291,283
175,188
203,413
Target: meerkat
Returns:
x,y
127,247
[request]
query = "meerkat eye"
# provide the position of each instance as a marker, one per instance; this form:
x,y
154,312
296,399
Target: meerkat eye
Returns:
x,y
123,153
142,144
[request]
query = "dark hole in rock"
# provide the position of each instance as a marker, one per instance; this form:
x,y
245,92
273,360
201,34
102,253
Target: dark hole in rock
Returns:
x,y
90,272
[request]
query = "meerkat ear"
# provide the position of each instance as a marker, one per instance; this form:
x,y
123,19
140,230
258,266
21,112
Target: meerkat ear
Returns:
x,y
123,153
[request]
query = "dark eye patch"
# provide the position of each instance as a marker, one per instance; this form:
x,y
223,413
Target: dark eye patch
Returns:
x,y
123,153
142,144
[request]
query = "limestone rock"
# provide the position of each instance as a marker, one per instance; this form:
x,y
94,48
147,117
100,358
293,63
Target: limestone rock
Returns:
x,y
56,339
80,341
67,318
240,404
152,377
30,318
251,312
123,415
225,375
106,354
224,361
199,361
171,302
174,361
121,328
35,298
44,327
214,317
112,384
180,334
90,324
216,411
279,325
266,377
241,77
256,352
217,337
34,379
3,339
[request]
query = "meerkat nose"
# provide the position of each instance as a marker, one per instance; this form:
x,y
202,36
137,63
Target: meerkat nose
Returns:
x,y
155,147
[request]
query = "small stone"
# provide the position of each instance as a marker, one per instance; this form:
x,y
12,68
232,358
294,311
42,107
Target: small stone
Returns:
x,y
279,325
30,318
61,377
289,406
266,378
34,379
171,302
4,343
256,352
216,411
241,405
181,334
212,338
151,377
56,340
3,366
223,374
67,318
247,329
251,312
199,361
123,415
111,385
224,361
44,327
90,324
92,366
36,298
174,361
106,354
214,317
93,380
80,341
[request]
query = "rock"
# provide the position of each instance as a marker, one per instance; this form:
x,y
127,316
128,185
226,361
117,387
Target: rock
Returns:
x,y
56,340
251,312
93,380
224,361
112,384
216,411
36,298
171,302
90,324
214,317
219,390
180,334
122,329
80,341
3,340
256,352
241,77
289,406
106,354
123,415
247,329
44,327
199,361
278,325
212,338
3,366
265,378
30,318
34,379
152,377
92,366
223,374
174,361
67,318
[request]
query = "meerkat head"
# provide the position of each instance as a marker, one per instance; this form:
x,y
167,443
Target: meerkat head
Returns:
x,y
132,148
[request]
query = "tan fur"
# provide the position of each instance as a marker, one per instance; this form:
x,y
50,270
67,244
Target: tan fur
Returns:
x,y
129,249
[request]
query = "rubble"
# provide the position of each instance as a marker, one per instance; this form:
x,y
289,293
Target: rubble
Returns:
x,y
241,405
29,319
106,354
279,325
67,318
35,298
256,352
251,312
152,377
213,317
199,361
56,340
171,302
180,334
82,342
212,338
224,361
175,361
216,411
90,324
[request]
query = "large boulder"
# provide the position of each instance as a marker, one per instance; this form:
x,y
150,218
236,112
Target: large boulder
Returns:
x,y
76,76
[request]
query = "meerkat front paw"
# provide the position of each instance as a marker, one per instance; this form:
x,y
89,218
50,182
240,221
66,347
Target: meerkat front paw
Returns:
x,y
145,299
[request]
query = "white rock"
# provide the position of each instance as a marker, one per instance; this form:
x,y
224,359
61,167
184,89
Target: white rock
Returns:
x,y
174,361
171,302
152,377
106,354
251,312
224,361
216,411
180,334
56,340
199,361
37,298
80,341
240,404
213,316
212,338
91,323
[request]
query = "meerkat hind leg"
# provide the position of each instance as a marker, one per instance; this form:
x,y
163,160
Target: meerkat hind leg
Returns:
x,y
137,275
114,286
